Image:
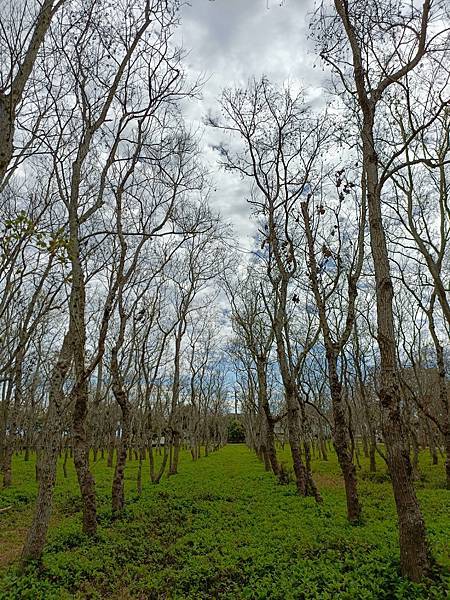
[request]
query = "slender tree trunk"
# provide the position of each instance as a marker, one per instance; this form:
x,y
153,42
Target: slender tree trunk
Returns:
x,y
173,469
48,457
447,458
81,461
432,444
141,459
66,457
118,491
271,450
412,536
342,443
365,445
46,470
443,392
268,428
294,443
311,488
322,444
304,481
110,459
151,461
372,453
165,457
7,463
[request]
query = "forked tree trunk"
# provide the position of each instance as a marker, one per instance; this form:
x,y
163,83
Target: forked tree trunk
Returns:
x,y
269,424
303,477
341,431
156,476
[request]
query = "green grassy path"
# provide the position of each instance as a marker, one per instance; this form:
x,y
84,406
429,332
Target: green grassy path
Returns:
x,y
223,528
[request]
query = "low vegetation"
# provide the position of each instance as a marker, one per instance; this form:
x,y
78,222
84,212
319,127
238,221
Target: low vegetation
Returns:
x,y
222,528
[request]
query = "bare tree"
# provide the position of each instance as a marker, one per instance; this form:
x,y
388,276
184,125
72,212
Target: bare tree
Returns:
x,y
336,262
105,111
252,324
372,48
282,141
22,34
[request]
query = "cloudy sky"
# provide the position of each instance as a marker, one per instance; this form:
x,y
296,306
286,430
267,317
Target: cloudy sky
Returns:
x,y
230,41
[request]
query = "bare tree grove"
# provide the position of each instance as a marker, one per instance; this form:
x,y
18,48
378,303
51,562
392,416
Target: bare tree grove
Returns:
x,y
132,326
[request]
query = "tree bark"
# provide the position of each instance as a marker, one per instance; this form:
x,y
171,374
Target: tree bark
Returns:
x,y
48,457
342,444
412,536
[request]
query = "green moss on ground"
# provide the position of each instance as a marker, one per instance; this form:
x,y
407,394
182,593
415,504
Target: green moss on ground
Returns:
x,y
222,528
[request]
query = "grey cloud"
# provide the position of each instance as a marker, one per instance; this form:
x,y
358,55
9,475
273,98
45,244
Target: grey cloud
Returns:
x,y
228,42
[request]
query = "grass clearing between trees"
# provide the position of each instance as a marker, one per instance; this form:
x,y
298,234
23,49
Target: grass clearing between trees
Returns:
x,y
222,528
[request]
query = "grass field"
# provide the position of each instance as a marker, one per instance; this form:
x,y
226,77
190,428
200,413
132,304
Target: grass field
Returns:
x,y
222,528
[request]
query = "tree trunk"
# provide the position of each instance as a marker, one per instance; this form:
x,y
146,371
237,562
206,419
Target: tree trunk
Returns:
x,y
7,464
447,459
118,492
81,461
47,459
66,456
156,477
413,543
46,470
263,403
349,473
365,445
322,442
303,478
141,458
110,459
412,536
372,452
270,442
176,438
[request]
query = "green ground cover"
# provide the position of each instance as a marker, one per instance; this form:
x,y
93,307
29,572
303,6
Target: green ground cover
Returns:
x,y
222,528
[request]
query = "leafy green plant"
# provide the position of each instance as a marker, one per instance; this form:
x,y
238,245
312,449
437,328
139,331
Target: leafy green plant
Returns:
x,y
224,528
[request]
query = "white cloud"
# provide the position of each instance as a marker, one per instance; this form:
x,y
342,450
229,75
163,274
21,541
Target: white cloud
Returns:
x,y
230,41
